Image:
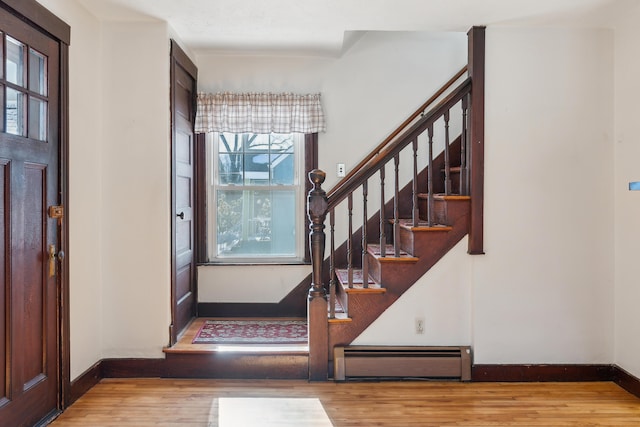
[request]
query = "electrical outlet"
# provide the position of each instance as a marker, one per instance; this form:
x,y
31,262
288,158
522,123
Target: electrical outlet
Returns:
x,y
341,171
419,325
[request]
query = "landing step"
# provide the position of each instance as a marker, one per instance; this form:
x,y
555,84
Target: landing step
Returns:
x,y
234,361
185,344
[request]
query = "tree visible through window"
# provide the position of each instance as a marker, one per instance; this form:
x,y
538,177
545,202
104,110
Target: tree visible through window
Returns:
x,y
257,194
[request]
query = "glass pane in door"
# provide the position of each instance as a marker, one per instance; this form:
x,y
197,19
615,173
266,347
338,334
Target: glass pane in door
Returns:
x,y
37,72
15,113
15,61
37,119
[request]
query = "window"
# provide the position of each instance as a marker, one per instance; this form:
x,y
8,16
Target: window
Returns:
x,y
256,197
23,90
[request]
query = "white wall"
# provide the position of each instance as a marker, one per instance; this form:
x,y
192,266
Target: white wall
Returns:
x,y
119,187
627,204
85,166
543,293
136,189
366,94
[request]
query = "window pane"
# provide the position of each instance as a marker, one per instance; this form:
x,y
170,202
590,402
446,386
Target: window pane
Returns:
x,y
37,119
256,142
230,143
283,169
282,143
256,223
1,54
15,112
15,61
228,220
256,168
2,105
37,72
230,169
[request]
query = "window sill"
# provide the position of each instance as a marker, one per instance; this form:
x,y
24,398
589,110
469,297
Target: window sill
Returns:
x,y
253,262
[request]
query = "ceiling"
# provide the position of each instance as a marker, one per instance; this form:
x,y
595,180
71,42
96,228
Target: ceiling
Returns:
x,y
325,26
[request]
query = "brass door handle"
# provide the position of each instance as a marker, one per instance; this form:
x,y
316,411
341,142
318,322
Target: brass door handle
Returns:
x,y
52,260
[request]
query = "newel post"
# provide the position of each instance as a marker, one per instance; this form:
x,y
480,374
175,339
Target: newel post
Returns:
x,y
317,302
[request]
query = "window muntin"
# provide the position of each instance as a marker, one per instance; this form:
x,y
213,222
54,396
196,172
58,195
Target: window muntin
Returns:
x,y
256,197
23,90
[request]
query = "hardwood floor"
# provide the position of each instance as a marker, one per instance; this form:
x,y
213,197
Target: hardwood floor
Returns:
x,y
170,402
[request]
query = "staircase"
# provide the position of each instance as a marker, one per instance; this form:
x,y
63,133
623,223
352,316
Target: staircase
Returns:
x,y
421,211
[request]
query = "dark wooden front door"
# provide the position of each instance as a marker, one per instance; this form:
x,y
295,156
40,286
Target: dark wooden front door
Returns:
x,y
29,255
183,280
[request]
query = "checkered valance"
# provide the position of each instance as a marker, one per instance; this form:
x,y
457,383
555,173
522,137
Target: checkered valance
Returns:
x,y
259,113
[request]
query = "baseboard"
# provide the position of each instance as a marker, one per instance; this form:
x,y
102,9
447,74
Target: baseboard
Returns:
x,y
626,380
134,368
541,373
242,309
154,368
84,383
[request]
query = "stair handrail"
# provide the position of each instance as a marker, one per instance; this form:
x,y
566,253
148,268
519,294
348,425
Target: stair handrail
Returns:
x,y
385,154
420,111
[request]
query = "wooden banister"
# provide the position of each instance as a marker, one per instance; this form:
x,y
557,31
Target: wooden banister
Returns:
x,y
344,187
400,128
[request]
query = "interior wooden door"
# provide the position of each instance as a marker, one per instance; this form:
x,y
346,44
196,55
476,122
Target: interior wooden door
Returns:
x,y
183,267
30,252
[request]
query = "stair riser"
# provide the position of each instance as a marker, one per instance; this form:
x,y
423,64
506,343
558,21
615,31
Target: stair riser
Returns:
x,y
381,271
446,212
439,211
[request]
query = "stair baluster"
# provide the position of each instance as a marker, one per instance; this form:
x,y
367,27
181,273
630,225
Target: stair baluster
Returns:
x,y
365,263
383,235
414,191
332,266
430,219
350,242
447,163
396,208
464,172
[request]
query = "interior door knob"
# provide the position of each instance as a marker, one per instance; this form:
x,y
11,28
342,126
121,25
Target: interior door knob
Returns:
x,y
180,215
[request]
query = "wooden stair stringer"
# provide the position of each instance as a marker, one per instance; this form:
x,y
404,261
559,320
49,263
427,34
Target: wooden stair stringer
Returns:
x,y
364,309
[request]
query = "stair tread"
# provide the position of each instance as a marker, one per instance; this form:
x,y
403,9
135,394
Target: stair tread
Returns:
x,y
374,249
441,196
358,287
423,226
343,277
340,318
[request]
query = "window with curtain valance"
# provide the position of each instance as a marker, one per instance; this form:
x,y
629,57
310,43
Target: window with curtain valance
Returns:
x,y
260,149
259,113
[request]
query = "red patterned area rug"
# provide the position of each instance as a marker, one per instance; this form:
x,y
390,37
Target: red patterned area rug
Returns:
x,y
252,332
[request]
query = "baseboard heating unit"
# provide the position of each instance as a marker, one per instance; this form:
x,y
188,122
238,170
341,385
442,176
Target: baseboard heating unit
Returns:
x,y
402,362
